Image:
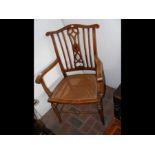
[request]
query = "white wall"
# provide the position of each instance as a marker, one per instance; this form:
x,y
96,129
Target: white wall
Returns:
x,y
43,55
108,45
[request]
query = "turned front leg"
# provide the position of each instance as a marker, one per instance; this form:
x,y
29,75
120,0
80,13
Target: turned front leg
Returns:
x,y
56,112
100,111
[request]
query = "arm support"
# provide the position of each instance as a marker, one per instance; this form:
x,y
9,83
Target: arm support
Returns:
x,y
100,77
40,80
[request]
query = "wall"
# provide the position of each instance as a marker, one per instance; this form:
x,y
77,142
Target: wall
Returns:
x,y
43,55
108,45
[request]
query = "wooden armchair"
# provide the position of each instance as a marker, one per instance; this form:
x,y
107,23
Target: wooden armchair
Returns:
x,y
75,48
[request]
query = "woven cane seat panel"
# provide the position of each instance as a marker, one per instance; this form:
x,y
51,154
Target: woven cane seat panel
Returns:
x,y
76,89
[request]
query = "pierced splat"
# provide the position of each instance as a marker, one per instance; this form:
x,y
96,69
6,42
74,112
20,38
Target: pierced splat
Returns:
x,y
75,47
73,34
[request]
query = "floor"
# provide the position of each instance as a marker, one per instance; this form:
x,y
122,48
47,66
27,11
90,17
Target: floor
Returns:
x,y
114,128
81,124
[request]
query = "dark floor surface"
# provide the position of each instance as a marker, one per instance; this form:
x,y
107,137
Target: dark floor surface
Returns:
x,y
83,124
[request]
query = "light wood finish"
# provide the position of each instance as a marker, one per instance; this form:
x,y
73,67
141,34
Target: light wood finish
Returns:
x,y
100,77
84,42
76,89
40,80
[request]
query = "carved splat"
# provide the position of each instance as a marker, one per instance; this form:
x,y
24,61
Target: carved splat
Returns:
x,y
82,52
73,34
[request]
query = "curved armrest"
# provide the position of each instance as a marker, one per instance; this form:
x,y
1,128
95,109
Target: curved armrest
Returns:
x,y
42,73
99,69
100,77
40,80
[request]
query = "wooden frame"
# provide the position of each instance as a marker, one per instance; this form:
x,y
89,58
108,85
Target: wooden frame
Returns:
x,y
73,58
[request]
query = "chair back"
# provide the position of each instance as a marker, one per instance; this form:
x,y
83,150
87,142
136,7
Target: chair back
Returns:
x,y
75,47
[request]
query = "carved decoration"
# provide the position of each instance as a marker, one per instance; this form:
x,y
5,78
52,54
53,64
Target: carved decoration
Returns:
x,y
73,34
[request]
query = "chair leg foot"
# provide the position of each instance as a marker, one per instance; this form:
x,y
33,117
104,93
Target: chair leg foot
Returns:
x,y
57,113
100,111
101,116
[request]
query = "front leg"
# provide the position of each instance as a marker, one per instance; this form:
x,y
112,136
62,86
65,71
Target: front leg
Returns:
x,y
55,109
100,111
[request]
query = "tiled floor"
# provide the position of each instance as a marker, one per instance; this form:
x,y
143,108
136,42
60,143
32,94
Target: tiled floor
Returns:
x,y
83,124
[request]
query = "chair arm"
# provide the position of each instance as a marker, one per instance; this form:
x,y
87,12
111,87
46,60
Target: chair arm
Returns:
x,y
100,77
42,73
99,70
40,80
